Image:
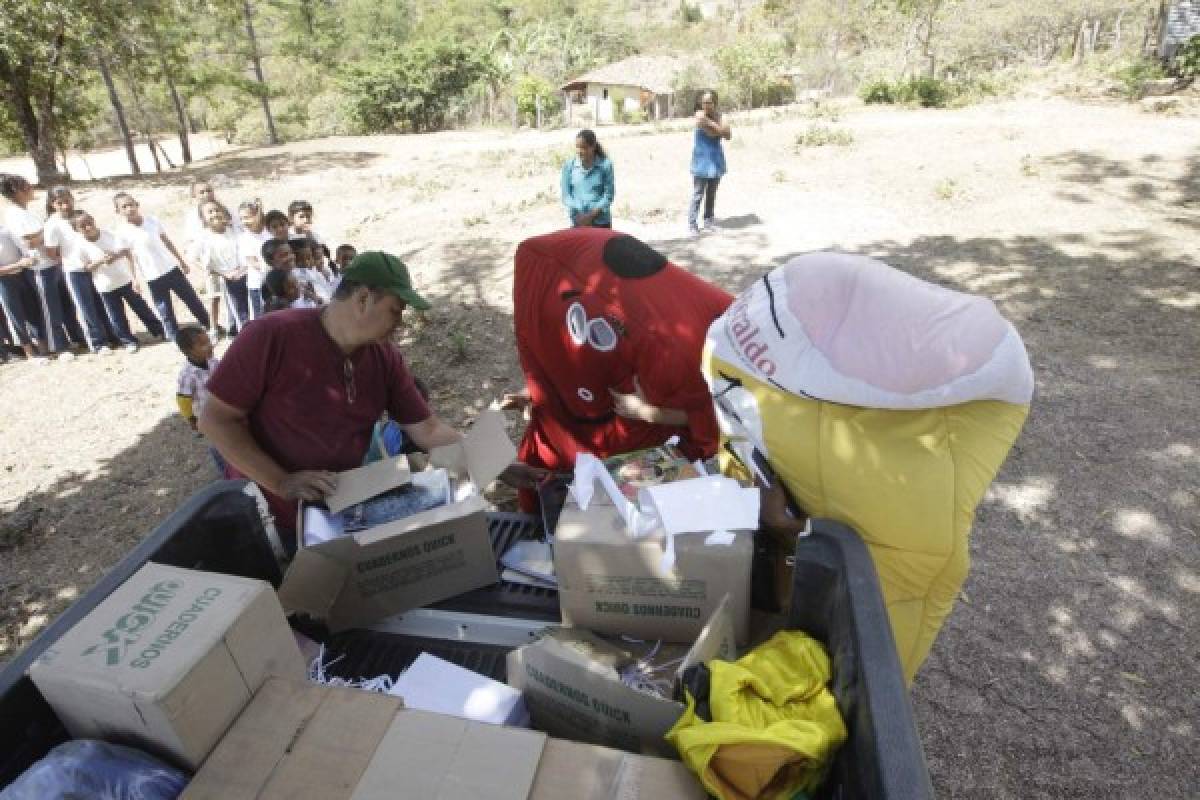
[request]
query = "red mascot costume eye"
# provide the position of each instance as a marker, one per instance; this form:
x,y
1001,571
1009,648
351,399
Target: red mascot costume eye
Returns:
x,y
594,309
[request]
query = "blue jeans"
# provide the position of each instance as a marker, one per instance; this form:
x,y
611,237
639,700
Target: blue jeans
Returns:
x,y
18,310
237,301
161,289
256,302
703,189
219,462
114,304
90,308
58,312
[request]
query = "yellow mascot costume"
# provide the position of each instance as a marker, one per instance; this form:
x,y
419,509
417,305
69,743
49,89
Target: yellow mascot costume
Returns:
x,y
880,401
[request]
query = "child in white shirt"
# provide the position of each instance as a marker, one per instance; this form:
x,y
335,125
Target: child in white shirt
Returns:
x,y
250,241
60,239
217,253
106,259
191,393
159,262
300,216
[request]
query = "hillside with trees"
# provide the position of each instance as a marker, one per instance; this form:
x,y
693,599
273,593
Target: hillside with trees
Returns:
x,y
96,72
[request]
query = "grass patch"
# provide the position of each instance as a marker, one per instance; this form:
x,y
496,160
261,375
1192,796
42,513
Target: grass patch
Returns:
x,y
947,189
1134,76
819,135
543,198
929,92
823,110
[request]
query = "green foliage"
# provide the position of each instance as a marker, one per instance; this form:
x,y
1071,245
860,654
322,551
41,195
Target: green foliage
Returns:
x,y
878,91
414,89
947,189
818,135
824,110
1187,60
752,74
327,116
925,92
531,88
1134,76
928,92
689,13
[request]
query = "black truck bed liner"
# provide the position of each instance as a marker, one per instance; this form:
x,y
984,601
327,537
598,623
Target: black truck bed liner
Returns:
x,y
220,529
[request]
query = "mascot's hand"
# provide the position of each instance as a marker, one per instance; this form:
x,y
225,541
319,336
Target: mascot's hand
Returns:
x,y
632,406
523,476
515,402
635,406
776,518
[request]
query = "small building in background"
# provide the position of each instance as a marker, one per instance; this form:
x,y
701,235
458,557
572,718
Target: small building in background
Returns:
x,y
635,89
1180,22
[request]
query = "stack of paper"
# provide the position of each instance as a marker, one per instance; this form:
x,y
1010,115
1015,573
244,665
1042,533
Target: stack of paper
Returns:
x,y
432,684
530,562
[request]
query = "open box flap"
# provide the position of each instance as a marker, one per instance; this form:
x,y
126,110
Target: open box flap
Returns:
x,y
482,455
314,580
716,640
471,505
363,483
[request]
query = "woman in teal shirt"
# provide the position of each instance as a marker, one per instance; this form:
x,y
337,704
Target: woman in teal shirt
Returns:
x,y
587,184
708,159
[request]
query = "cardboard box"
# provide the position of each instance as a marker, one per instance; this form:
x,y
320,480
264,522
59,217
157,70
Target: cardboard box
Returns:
x,y
433,684
574,771
167,662
298,740
611,583
580,696
359,578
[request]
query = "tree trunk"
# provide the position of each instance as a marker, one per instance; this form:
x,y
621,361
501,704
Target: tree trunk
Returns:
x,y
1117,31
119,112
835,49
306,10
141,113
165,156
258,72
927,45
185,147
37,125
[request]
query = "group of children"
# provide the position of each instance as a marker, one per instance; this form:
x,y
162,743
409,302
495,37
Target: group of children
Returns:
x,y
61,270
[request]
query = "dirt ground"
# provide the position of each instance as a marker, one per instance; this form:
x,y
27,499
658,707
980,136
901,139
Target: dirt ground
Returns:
x,y
1067,670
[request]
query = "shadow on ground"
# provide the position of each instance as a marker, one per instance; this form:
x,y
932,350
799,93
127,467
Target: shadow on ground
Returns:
x,y
233,166
1142,182
1076,625
41,569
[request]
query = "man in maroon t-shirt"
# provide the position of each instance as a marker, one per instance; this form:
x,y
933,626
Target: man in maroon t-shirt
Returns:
x,y
297,394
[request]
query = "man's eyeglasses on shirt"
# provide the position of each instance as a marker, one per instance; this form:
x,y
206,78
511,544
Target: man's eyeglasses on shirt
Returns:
x,y
348,378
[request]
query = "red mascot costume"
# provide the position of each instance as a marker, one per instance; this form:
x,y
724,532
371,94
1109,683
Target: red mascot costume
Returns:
x,y
594,310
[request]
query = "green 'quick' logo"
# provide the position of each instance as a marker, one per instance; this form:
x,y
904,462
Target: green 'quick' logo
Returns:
x,y
128,627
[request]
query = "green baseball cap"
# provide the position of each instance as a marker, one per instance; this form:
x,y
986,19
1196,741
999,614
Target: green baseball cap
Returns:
x,y
381,270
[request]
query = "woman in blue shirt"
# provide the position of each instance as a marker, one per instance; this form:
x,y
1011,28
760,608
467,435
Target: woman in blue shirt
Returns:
x,y
587,184
708,159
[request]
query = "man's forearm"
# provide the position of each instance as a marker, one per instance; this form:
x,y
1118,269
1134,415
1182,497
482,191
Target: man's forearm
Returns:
x,y
237,446
431,433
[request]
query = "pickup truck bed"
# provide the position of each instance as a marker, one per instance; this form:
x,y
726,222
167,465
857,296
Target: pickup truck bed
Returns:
x,y
222,529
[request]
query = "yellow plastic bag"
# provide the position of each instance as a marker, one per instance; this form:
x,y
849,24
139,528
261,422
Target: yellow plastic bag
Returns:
x,y
775,725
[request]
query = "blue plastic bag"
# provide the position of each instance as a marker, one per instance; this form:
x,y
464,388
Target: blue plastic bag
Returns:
x,y
392,505
86,768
